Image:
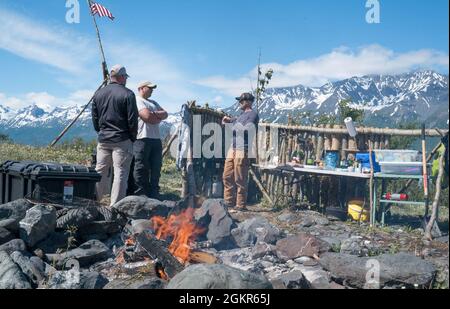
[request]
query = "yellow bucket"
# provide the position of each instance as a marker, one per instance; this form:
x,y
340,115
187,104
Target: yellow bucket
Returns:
x,y
355,208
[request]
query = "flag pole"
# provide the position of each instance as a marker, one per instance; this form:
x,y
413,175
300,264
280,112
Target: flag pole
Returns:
x,y
104,83
102,52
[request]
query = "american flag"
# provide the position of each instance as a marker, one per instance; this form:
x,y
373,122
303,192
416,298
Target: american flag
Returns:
x,y
100,10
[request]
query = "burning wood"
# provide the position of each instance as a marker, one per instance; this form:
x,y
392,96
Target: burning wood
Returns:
x,y
158,251
182,229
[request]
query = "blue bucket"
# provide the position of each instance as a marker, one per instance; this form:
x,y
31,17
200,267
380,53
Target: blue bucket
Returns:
x,y
332,159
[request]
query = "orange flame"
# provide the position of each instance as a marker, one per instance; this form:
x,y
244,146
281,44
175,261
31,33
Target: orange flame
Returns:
x,y
183,230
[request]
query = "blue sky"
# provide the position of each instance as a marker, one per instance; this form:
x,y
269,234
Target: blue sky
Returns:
x,y
207,50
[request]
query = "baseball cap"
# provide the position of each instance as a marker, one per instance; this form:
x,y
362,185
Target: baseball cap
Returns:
x,y
246,97
119,70
147,84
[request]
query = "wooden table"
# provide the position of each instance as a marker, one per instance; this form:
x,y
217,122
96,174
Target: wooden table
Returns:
x,y
317,172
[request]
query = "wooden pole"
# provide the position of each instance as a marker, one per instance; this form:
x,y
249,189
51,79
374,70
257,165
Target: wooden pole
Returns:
x,y
261,187
361,130
169,144
435,207
371,193
102,52
425,170
66,129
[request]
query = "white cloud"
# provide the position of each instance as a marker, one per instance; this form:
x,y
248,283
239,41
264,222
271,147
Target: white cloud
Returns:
x,y
339,64
77,57
53,46
144,63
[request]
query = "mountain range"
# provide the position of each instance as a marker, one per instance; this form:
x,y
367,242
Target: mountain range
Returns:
x,y
388,100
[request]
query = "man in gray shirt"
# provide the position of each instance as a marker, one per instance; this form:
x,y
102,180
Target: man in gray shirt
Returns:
x,y
237,163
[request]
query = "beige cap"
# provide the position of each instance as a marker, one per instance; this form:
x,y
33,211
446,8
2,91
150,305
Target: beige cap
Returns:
x,y
147,84
119,70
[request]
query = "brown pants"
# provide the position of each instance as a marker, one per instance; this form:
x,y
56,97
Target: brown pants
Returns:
x,y
235,178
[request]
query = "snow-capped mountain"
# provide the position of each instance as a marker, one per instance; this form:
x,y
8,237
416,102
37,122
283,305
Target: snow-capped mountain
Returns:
x,y
387,100
39,125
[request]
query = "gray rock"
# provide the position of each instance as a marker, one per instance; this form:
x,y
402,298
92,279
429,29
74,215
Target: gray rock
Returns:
x,y
5,236
92,281
334,242
313,219
214,217
75,280
33,274
11,277
78,217
38,223
87,254
303,244
294,280
303,260
286,217
138,207
262,249
316,277
136,283
203,276
395,270
254,230
307,222
11,225
139,226
38,263
15,210
353,245
320,220
55,242
14,245
99,228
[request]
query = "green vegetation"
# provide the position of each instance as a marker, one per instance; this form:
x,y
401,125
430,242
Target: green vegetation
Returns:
x,y
60,154
4,138
345,111
404,142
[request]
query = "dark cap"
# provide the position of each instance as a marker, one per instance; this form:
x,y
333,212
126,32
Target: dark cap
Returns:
x,y
246,97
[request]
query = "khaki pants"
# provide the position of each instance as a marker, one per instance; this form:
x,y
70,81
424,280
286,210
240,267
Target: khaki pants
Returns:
x,y
235,178
118,156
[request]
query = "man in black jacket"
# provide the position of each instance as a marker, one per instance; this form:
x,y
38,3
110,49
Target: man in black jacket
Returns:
x,y
115,118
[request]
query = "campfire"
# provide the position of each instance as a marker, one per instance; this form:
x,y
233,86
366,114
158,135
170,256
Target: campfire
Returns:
x,y
181,229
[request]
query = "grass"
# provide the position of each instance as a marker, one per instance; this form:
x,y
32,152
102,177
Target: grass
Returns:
x,y
79,152
62,154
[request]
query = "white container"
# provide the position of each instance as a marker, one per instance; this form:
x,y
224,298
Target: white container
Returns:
x,y
397,156
402,168
350,127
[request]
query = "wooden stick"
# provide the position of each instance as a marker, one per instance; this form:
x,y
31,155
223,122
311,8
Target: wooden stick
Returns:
x,y
425,170
372,220
362,130
66,129
435,207
169,144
